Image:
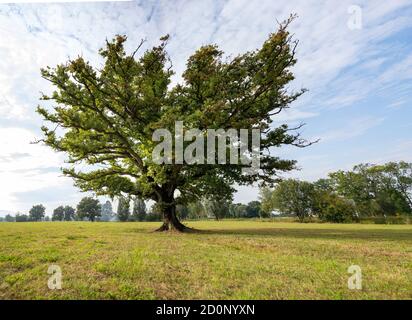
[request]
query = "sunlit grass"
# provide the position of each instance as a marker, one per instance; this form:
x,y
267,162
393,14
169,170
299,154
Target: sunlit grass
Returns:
x,y
231,260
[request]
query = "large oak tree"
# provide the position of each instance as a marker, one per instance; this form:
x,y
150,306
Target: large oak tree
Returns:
x,y
104,118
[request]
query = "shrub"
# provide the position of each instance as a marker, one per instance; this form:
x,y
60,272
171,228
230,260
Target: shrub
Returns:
x,y
338,210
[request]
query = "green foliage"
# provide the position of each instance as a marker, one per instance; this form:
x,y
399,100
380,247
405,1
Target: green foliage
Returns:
x,y
267,200
69,213
294,197
9,218
58,214
182,211
37,212
336,209
123,209
217,208
139,209
22,217
347,196
238,210
88,208
196,210
254,210
155,213
377,189
106,116
107,211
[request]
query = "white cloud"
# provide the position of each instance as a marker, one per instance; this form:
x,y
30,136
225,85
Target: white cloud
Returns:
x,y
21,165
293,114
397,104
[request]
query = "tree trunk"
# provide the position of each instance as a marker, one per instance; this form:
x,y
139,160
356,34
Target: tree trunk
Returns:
x,y
170,220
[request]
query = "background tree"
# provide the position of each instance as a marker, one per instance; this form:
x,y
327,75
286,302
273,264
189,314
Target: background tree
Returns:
x,y
107,211
331,207
21,217
183,211
89,208
365,191
9,218
294,197
107,117
123,209
155,213
216,207
376,190
196,210
267,201
396,178
69,213
58,214
37,212
238,210
254,210
139,209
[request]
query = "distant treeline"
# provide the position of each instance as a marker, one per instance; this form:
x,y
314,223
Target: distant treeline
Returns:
x,y
134,209
383,192
380,193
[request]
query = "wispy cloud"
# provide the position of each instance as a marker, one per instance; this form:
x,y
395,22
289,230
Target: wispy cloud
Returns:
x,y
13,156
351,129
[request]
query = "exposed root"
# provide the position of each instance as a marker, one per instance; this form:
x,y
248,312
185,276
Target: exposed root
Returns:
x,y
163,227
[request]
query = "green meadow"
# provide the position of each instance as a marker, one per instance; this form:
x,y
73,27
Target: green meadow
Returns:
x,y
224,260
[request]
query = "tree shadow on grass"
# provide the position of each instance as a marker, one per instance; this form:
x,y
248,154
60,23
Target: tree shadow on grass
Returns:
x,y
330,233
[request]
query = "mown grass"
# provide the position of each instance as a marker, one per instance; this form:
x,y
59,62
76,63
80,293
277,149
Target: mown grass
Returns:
x,y
230,260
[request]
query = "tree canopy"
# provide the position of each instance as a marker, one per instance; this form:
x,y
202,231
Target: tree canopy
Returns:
x,y
139,209
377,189
88,208
294,197
37,212
58,214
104,119
107,211
123,209
69,213
346,196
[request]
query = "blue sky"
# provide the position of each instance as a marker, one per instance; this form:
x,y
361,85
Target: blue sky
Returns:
x,y
359,80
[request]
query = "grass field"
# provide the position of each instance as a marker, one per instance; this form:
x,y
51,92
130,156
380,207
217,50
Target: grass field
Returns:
x,y
232,260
